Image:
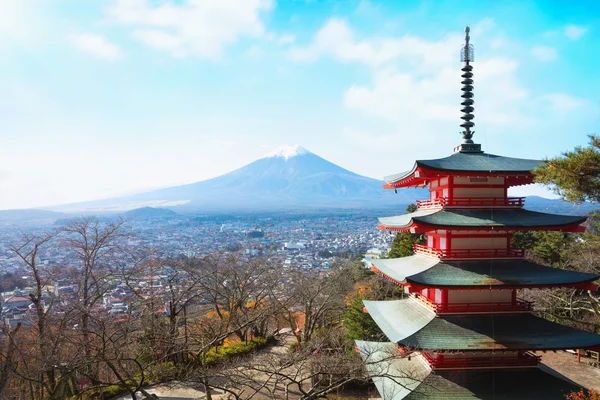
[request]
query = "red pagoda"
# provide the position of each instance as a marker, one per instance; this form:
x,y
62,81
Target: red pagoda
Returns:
x,y
461,332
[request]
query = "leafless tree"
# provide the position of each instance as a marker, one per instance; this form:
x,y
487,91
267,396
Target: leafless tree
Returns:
x,y
7,352
239,292
313,296
46,366
95,244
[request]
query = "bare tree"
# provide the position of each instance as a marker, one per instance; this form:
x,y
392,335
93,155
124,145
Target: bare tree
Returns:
x,y
318,370
94,244
313,296
7,352
240,292
52,370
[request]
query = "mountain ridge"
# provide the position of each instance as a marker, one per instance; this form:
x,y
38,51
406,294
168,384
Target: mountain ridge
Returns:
x,y
290,178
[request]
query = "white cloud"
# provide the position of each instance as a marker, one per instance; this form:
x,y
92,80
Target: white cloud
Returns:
x,y
574,32
13,17
337,39
482,27
23,21
562,103
545,53
415,88
286,39
226,142
97,46
192,27
413,100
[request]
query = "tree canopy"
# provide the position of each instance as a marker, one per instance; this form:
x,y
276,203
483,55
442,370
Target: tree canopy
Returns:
x,y
576,174
402,245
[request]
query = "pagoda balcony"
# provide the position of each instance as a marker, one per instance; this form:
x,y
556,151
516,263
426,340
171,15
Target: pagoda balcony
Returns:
x,y
487,307
468,202
469,254
525,359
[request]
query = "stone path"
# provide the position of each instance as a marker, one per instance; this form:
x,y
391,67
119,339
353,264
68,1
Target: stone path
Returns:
x,y
179,391
566,364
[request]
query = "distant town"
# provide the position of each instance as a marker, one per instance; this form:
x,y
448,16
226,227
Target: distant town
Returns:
x,y
297,242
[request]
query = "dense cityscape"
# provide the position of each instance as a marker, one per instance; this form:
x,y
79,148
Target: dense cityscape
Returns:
x,y
296,242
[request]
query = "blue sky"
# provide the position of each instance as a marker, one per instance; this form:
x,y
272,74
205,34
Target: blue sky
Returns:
x,y
102,98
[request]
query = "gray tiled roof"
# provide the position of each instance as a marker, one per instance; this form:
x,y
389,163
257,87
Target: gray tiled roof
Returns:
x,y
413,314
398,378
481,218
431,272
520,384
472,162
411,324
394,377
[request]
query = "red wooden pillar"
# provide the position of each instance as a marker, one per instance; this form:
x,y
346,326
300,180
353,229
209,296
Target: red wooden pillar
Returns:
x,y
444,298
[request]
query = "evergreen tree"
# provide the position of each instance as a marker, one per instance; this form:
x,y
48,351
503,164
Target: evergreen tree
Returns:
x,y
576,174
402,245
411,208
359,324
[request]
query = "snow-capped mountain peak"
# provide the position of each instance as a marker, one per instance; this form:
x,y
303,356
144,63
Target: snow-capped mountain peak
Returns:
x,y
288,151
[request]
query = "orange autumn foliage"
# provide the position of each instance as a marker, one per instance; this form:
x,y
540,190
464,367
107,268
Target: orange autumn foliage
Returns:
x,y
583,395
359,289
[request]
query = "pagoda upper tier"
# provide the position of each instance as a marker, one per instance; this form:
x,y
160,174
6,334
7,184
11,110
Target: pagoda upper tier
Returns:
x,y
516,171
411,324
421,271
482,220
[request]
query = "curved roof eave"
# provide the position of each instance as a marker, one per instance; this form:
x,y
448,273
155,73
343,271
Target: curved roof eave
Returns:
x,y
470,163
412,325
426,271
480,218
399,378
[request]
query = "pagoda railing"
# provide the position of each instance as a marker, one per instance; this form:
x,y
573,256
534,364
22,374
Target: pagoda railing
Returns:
x,y
469,202
466,308
461,254
526,359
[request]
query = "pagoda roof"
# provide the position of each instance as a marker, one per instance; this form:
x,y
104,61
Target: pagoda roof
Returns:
x,y
413,325
476,162
431,272
480,218
398,378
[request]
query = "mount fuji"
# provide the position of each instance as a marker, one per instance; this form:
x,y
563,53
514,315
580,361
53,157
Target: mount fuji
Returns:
x,y
290,178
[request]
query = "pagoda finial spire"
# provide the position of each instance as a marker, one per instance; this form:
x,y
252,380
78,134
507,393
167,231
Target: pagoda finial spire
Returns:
x,y
467,56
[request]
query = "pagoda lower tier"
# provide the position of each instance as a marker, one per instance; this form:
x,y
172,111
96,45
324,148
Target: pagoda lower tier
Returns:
x,y
413,325
400,376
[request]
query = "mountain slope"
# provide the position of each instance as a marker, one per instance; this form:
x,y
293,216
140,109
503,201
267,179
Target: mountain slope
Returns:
x,y
150,212
289,178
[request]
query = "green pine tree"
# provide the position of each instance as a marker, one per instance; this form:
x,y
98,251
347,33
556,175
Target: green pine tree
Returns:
x,y
359,324
576,174
402,245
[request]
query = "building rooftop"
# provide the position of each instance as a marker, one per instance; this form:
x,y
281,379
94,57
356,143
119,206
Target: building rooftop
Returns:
x,y
411,324
430,272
